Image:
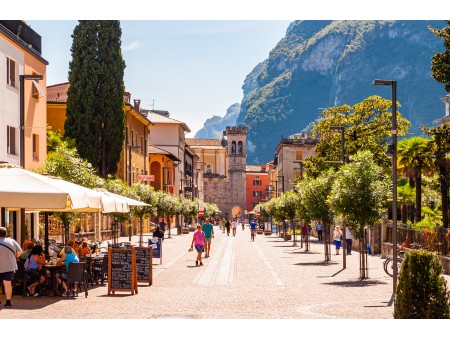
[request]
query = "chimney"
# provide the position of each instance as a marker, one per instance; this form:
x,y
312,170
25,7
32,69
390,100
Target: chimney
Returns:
x,y
127,97
137,104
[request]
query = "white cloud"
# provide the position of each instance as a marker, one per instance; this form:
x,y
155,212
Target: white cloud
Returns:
x,y
131,46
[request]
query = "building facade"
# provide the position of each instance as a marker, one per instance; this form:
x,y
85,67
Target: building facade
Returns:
x,y
288,159
23,117
223,165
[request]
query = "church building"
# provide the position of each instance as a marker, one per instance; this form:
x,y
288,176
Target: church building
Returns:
x,y
224,167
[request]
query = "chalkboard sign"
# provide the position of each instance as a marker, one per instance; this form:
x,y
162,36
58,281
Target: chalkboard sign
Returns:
x,y
144,265
157,248
122,270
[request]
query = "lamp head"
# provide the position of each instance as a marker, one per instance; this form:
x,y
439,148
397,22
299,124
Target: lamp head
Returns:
x,y
383,82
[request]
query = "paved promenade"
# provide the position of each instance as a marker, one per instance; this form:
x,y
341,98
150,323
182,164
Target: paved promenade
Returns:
x,y
267,278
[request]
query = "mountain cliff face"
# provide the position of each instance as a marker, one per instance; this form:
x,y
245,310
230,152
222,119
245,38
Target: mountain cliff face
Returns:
x,y
214,127
319,64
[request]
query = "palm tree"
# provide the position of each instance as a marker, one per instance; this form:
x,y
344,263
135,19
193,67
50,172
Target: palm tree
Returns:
x,y
414,154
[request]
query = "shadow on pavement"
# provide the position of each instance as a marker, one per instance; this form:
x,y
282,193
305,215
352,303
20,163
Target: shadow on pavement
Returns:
x,y
317,263
357,283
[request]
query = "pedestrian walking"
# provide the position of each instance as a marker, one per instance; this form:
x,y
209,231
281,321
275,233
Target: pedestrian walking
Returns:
x,y
348,240
252,229
10,250
223,225
208,230
319,228
162,226
337,237
199,240
227,226
234,226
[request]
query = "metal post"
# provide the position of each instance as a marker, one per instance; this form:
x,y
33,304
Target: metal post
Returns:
x,y
393,85
394,182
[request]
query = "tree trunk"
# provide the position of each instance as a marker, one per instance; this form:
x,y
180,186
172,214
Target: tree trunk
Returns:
x,y
404,213
444,193
418,211
326,242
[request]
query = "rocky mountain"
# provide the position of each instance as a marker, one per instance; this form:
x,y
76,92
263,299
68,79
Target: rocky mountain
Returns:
x,y
214,126
319,64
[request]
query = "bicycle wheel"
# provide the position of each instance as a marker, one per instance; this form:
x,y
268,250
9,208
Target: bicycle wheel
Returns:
x,y
389,266
385,263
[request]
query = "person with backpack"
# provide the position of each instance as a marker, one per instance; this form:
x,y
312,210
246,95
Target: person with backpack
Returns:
x,y
10,250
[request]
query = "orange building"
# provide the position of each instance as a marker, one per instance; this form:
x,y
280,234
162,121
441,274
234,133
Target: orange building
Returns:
x,y
257,186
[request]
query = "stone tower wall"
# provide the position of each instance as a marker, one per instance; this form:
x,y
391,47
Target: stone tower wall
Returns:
x,y
236,169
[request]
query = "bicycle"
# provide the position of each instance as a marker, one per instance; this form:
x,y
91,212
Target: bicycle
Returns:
x,y
388,264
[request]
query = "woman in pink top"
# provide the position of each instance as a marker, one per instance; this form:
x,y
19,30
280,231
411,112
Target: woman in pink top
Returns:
x,y
199,241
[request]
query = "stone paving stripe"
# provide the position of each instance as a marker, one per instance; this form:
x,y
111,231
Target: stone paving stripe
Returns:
x,y
273,273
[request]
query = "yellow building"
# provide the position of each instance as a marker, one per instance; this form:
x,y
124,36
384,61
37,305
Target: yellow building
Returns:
x,y
134,157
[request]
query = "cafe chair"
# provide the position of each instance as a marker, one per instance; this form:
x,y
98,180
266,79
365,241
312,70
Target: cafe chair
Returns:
x,y
77,275
100,269
19,278
89,271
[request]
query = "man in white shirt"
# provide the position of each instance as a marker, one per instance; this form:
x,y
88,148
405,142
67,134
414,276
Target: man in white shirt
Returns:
x,y
348,240
10,250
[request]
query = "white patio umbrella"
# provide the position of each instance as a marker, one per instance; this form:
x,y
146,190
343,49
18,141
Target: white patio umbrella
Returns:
x,y
129,201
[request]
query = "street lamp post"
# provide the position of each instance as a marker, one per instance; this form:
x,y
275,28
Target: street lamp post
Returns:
x,y
393,85
344,242
22,79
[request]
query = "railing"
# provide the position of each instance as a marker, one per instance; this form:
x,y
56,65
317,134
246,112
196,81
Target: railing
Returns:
x,y
429,239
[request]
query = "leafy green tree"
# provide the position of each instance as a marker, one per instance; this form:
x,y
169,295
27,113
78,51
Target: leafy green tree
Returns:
x,y
405,197
314,193
358,195
415,153
422,289
368,126
95,115
440,61
146,194
440,137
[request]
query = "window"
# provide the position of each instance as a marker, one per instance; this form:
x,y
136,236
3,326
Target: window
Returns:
x,y
142,144
298,155
257,182
233,147
11,72
11,140
209,168
240,147
35,147
257,193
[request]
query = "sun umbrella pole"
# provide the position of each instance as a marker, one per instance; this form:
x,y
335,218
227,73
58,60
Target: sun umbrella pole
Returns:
x,y
46,234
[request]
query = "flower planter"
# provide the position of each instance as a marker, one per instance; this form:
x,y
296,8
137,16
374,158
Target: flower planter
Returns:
x,y
259,232
185,230
267,232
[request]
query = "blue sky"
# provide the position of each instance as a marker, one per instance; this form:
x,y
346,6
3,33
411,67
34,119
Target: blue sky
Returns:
x,y
192,68
191,57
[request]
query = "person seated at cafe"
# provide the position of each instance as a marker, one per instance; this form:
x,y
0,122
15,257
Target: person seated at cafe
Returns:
x,y
26,249
71,244
158,233
84,250
33,269
67,257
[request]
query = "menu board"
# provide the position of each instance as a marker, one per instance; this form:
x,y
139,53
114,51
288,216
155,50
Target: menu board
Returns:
x,y
144,265
122,270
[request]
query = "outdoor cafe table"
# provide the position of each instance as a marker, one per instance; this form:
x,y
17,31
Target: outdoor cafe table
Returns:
x,y
53,270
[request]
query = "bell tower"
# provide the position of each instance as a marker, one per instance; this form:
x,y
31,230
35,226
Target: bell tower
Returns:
x,y
236,166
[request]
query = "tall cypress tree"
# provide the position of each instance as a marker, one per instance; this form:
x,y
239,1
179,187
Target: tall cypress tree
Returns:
x,y
95,115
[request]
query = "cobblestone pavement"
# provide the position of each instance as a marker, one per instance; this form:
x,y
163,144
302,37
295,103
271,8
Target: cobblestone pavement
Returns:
x,y
267,278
